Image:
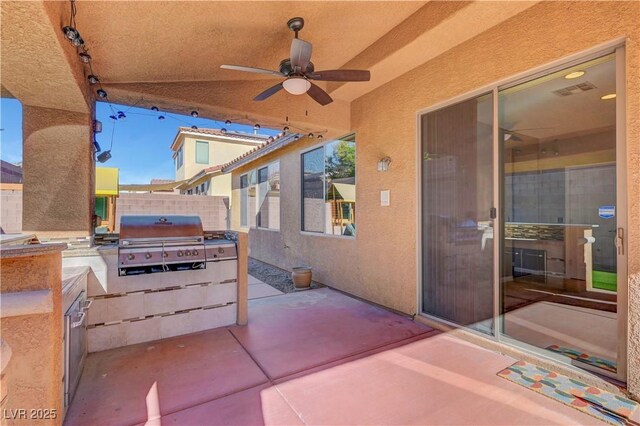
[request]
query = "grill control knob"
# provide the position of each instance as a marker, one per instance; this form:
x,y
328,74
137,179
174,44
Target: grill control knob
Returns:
x,y
147,256
165,254
195,252
187,253
220,250
180,254
131,256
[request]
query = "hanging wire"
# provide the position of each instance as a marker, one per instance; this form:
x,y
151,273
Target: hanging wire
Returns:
x,y
113,131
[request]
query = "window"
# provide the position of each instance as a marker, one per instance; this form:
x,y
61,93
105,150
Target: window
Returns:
x,y
269,196
244,202
329,188
179,158
248,199
202,152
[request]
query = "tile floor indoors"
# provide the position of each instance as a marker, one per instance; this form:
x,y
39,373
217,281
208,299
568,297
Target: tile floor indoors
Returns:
x,y
311,357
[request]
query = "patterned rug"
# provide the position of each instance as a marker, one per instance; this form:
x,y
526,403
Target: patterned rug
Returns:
x,y
605,364
596,402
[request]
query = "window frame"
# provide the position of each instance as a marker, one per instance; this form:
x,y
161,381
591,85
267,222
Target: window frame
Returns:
x,y
257,171
180,157
306,150
196,152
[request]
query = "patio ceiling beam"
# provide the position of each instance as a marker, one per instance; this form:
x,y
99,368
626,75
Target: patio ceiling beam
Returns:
x,y
430,31
39,67
233,100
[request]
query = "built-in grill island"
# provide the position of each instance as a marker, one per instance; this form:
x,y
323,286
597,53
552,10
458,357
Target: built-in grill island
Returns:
x,y
150,244
163,277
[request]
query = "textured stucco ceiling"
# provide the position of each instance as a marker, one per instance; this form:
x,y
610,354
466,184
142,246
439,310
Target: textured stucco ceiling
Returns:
x,y
169,52
138,41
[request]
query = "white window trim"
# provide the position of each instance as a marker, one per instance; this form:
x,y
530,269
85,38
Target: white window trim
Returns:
x,y
196,152
257,170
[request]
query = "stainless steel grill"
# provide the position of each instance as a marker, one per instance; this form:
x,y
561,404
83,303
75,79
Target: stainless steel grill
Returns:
x,y
149,244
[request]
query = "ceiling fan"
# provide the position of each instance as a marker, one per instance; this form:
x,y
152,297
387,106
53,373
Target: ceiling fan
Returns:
x,y
298,70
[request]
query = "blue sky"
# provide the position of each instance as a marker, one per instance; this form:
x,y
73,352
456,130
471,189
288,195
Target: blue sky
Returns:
x,y
140,142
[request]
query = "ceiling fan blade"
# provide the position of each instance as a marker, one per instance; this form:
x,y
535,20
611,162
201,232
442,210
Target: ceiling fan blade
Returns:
x,y
269,92
252,70
319,95
300,55
341,75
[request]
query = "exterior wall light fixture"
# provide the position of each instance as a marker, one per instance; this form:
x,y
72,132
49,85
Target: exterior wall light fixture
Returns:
x,y
97,126
383,164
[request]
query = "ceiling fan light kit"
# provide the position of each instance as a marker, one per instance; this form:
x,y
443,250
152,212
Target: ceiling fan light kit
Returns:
x,y
298,70
296,85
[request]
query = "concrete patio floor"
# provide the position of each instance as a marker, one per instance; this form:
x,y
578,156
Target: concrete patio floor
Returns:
x,y
312,357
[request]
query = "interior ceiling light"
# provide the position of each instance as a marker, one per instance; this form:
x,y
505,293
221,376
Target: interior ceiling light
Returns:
x,y
154,108
228,122
194,114
101,93
285,129
121,115
85,57
161,117
609,96
296,85
270,139
574,74
70,33
320,137
310,135
296,137
256,127
223,130
194,127
93,79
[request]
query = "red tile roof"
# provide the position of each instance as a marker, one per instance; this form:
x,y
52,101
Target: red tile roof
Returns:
x,y
228,134
259,150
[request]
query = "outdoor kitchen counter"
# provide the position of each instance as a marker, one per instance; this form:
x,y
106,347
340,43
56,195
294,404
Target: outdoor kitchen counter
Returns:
x,y
131,309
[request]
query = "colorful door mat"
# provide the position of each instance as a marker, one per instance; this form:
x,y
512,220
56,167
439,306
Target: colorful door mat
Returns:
x,y
594,361
596,402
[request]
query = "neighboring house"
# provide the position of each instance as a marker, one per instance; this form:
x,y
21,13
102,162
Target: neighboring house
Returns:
x,y
10,173
107,191
200,153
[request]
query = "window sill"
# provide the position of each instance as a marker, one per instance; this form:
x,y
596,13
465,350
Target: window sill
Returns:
x,y
322,234
267,229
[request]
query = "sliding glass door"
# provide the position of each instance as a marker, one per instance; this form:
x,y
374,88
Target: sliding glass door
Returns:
x,y
559,260
523,213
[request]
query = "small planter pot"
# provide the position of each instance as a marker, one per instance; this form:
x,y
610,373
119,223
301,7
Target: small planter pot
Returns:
x,y
301,277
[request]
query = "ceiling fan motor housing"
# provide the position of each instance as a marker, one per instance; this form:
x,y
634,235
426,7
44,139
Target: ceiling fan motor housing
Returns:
x,y
287,69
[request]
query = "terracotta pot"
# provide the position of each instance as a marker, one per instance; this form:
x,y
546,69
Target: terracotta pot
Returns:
x,y
301,277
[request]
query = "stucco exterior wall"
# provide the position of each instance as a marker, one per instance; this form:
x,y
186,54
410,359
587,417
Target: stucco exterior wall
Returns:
x,y
219,153
380,264
385,124
34,374
58,183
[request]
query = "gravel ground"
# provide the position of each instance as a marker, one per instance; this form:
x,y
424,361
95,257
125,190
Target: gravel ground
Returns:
x,y
275,277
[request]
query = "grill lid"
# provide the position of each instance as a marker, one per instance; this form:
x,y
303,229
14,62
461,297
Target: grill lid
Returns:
x,y
135,227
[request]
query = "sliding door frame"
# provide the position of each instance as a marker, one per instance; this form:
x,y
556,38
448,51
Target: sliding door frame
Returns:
x,y
615,46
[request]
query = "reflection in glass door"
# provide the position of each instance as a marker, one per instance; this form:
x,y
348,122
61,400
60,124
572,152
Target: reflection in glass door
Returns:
x,y
559,261
457,228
